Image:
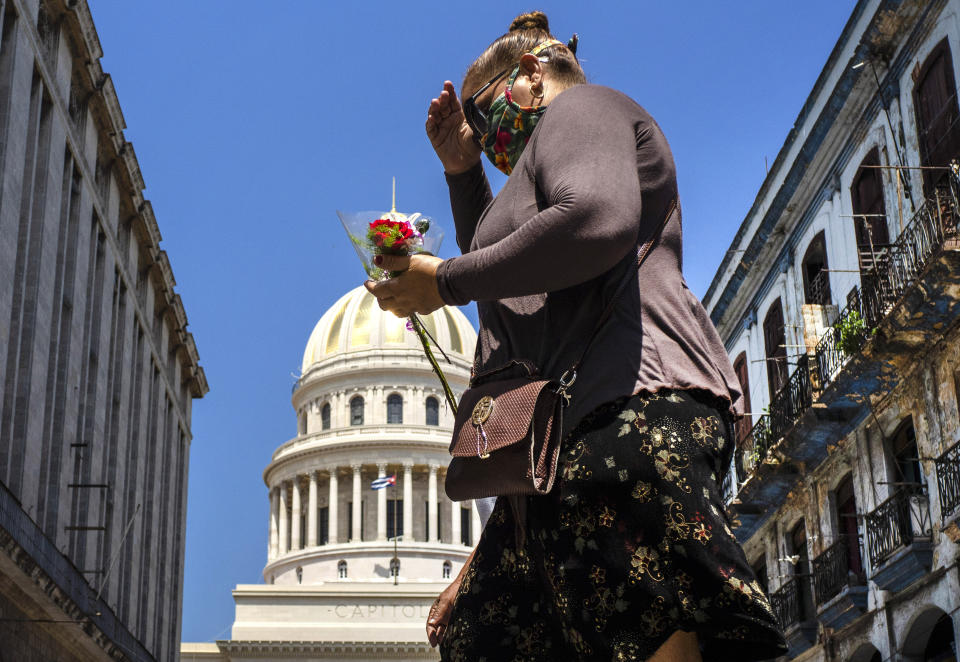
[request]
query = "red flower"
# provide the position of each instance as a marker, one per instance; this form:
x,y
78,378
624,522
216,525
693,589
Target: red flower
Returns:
x,y
390,236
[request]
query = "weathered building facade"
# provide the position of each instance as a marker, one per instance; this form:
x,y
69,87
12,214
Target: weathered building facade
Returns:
x,y
97,369
839,303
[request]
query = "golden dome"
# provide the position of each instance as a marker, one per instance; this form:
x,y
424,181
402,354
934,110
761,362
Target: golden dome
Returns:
x,y
355,323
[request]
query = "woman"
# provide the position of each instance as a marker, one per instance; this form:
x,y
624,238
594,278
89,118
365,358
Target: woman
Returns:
x,y
630,557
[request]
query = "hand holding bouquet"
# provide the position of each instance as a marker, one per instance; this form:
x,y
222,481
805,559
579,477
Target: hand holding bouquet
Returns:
x,y
374,235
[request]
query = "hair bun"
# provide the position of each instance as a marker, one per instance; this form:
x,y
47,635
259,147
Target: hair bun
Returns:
x,y
535,20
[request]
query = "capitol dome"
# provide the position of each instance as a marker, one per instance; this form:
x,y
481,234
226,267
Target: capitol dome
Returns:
x,y
368,405
355,323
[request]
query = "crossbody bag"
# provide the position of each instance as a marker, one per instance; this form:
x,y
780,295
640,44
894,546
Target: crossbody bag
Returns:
x,y
507,433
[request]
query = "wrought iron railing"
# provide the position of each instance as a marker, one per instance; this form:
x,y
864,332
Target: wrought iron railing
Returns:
x,y
728,488
792,400
753,449
818,290
892,270
832,572
788,405
786,603
948,480
839,342
897,522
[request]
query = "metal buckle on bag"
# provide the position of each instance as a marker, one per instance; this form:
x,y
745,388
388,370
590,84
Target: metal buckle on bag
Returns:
x,y
480,415
566,381
482,410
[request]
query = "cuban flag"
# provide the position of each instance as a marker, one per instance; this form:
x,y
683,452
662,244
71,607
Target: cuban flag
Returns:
x,y
381,483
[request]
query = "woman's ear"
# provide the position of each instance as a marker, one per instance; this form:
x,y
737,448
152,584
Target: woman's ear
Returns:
x,y
530,64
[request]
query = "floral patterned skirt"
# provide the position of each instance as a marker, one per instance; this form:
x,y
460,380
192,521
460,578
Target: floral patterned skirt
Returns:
x,y
632,544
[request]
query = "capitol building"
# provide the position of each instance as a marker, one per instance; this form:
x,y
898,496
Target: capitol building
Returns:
x,y
351,572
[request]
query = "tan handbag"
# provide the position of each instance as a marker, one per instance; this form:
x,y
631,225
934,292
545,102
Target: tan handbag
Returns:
x,y
506,436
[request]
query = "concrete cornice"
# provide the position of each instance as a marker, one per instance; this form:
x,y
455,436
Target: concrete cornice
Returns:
x,y
334,650
339,371
804,174
53,590
378,445
842,104
349,550
76,22
778,172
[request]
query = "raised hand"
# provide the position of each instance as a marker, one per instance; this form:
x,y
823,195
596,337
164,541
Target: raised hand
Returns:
x,y
451,137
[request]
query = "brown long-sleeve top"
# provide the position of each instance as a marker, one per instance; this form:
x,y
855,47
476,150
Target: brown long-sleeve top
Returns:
x,y
544,257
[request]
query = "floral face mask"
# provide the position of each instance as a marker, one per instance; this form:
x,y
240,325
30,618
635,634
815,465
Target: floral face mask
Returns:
x,y
510,124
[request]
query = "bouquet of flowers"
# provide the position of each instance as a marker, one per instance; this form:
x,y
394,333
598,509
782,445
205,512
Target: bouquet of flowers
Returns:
x,y
395,233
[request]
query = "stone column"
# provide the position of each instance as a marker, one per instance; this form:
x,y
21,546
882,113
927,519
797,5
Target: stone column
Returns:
x,y
295,510
382,504
418,414
274,522
284,521
432,504
332,506
475,528
312,511
408,501
357,524
378,407
455,522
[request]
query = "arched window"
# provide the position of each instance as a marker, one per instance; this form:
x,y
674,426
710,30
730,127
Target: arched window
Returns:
x,y
870,213
447,567
433,411
906,457
847,524
938,116
394,408
774,341
342,569
325,416
816,279
356,410
740,367
801,571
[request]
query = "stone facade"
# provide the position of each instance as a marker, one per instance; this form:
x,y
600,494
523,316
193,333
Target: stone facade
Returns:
x,y
839,304
97,369
367,406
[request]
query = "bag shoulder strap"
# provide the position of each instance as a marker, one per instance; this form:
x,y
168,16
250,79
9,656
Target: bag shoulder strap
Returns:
x,y
642,251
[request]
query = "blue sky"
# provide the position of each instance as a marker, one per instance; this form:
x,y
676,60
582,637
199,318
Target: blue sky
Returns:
x,y
253,122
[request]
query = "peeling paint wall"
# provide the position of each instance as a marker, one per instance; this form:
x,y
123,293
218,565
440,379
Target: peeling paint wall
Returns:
x,y
917,378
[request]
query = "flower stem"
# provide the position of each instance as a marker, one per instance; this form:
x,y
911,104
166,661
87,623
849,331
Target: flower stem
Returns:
x,y
422,335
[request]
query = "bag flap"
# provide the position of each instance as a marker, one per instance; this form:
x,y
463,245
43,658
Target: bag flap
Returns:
x,y
501,411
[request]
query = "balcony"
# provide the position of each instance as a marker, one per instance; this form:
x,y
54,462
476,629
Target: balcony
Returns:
x,y
787,604
909,297
841,592
948,480
899,538
819,290
948,487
